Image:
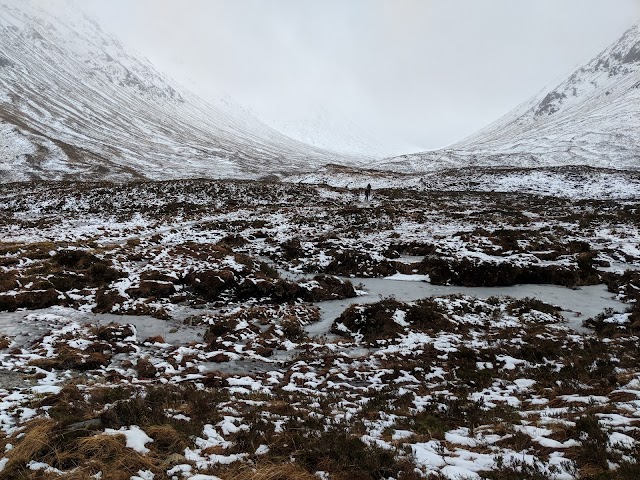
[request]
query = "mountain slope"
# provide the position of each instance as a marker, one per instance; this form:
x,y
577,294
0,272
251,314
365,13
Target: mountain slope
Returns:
x,y
592,118
75,104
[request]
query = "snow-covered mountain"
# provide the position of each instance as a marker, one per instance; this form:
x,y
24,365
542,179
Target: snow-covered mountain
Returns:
x,y
592,118
74,103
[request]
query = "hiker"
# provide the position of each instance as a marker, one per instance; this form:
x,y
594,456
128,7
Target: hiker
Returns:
x,y
367,192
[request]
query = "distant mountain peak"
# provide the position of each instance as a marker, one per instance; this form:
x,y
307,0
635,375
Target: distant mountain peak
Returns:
x,y
75,103
620,59
627,50
591,118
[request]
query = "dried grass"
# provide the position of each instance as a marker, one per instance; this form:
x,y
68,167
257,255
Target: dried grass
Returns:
x,y
37,438
109,454
284,471
166,439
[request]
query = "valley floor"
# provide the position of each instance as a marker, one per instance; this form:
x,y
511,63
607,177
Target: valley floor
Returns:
x,y
238,330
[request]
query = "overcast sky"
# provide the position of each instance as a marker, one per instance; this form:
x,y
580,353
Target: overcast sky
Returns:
x,y
420,72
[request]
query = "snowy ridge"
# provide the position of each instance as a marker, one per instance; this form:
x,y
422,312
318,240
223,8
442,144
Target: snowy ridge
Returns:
x,y
573,181
592,118
75,104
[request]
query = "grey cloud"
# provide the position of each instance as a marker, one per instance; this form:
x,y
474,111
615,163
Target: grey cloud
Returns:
x,y
423,72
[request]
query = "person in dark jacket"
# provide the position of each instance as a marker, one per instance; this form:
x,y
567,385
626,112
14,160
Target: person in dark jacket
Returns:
x,y
367,192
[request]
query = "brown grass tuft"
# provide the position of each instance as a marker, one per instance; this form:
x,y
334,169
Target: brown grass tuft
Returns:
x,y
109,455
35,441
284,471
103,447
166,439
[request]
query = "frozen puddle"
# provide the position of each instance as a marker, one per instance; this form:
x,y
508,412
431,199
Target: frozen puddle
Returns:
x,y
577,305
24,328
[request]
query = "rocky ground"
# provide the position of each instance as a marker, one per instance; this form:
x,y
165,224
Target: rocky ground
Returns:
x,y
166,330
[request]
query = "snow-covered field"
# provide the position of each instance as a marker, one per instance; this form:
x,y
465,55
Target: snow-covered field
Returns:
x,y
221,329
575,182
